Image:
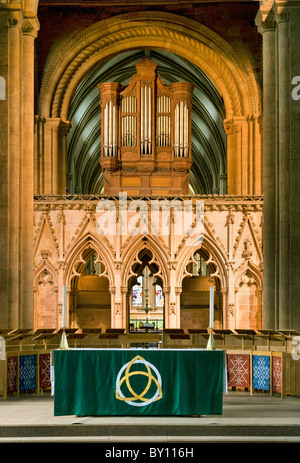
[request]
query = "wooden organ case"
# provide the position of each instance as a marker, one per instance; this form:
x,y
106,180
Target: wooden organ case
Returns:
x,y
146,134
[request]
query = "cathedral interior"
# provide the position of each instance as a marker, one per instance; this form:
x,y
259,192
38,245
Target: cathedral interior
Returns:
x,y
186,103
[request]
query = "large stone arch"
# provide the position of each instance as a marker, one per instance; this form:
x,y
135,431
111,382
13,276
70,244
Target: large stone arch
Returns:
x,y
230,70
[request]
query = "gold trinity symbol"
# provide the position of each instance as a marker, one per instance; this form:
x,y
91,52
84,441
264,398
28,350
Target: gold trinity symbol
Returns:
x,y
143,401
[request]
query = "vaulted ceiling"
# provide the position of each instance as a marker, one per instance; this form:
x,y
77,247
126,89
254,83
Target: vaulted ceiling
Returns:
x,y
208,173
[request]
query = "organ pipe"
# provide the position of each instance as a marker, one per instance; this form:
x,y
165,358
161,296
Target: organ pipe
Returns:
x,y
172,114
146,120
163,123
148,123
110,130
128,121
181,130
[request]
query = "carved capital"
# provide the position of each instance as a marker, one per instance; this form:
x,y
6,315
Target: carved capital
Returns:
x,y
231,127
178,290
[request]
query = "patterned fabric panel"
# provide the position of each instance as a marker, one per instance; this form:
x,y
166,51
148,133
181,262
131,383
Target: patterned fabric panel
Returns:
x,y
238,367
276,376
27,372
12,374
45,370
261,372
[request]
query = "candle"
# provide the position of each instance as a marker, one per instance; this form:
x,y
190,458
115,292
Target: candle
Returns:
x,y
211,308
64,307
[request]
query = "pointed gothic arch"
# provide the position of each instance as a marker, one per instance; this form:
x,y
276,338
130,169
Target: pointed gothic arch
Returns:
x,y
216,262
136,250
45,294
248,288
89,297
136,245
74,254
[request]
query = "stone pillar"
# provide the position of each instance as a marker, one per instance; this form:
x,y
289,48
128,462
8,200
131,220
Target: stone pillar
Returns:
x,y
4,236
266,26
284,211
279,25
17,32
178,292
29,30
166,292
13,167
232,131
295,168
51,155
125,315
243,155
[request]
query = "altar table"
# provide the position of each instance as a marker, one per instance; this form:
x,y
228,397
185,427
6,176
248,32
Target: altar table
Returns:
x,y
162,382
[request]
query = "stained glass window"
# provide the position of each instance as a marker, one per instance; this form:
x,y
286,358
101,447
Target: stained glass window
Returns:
x,y
137,292
159,296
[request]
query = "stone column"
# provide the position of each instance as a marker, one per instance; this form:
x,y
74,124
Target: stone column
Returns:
x,y
232,131
284,101
280,28
243,155
125,315
266,26
17,32
29,30
178,291
295,168
4,236
51,157
13,167
166,307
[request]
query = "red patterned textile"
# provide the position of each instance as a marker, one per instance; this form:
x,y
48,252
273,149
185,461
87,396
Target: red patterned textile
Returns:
x,y
45,370
276,377
238,367
12,374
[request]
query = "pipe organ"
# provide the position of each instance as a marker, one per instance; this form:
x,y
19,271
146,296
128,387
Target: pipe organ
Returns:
x,y
146,134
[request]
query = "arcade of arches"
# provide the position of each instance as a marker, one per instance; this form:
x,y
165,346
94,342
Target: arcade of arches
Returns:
x,y
125,106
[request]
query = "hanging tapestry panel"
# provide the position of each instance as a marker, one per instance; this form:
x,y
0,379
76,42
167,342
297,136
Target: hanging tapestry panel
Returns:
x,y
238,367
45,370
276,375
261,372
12,374
27,372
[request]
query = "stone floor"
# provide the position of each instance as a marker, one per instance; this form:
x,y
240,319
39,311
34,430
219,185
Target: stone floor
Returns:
x,y
245,418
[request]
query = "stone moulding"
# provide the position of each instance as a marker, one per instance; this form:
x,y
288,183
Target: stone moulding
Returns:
x,y
222,63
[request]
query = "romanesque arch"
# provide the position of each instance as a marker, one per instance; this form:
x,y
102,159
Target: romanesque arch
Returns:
x,y
230,71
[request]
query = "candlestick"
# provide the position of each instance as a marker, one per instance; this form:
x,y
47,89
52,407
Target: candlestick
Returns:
x,y
64,308
211,307
211,342
64,342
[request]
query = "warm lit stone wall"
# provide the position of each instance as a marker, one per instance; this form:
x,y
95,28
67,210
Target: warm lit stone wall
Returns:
x,y
67,231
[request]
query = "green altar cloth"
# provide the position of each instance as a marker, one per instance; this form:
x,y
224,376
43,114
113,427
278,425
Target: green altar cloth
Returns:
x,y
96,382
